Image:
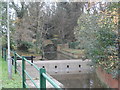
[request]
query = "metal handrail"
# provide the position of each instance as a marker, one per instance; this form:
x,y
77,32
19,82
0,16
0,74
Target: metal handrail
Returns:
x,y
42,72
19,56
32,64
51,81
26,85
19,65
19,73
31,79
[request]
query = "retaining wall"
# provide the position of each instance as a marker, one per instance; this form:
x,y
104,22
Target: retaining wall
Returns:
x,y
107,79
64,66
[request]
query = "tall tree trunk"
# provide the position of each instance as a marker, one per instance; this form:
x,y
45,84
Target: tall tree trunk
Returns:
x,y
38,28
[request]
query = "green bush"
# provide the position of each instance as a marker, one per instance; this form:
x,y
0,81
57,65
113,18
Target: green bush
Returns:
x,y
24,45
4,43
98,41
73,45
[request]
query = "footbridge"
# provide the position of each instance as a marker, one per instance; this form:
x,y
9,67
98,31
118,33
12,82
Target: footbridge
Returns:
x,y
38,74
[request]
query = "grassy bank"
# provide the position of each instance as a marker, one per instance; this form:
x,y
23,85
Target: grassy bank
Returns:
x,y
15,82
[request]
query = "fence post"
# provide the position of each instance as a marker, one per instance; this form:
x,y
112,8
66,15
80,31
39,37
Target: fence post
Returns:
x,y
5,54
15,62
2,52
42,79
23,73
31,60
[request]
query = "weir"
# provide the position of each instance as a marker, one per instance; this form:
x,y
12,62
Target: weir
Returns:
x,y
71,73
65,66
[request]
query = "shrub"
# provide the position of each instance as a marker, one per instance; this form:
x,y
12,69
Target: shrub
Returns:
x,y
24,45
98,40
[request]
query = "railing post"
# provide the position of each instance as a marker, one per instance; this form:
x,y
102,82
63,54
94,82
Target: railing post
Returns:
x,y
23,73
15,63
31,60
42,79
5,54
2,52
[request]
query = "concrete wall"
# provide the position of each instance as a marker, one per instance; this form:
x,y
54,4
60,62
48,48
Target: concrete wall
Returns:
x,y
64,66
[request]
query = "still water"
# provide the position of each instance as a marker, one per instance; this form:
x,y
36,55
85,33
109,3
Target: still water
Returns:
x,y
87,79
82,80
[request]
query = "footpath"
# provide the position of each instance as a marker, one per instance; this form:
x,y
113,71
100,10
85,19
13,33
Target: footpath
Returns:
x,y
35,75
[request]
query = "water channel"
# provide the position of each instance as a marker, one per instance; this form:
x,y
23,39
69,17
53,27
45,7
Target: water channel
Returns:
x,y
78,80
82,80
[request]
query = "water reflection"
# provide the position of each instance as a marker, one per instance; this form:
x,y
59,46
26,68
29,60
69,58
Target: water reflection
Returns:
x,y
85,79
82,80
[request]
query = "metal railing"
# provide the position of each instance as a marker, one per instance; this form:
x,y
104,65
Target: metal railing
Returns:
x,y
4,54
42,72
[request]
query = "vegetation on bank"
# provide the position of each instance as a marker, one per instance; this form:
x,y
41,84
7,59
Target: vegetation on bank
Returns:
x,y
15,82
98,35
